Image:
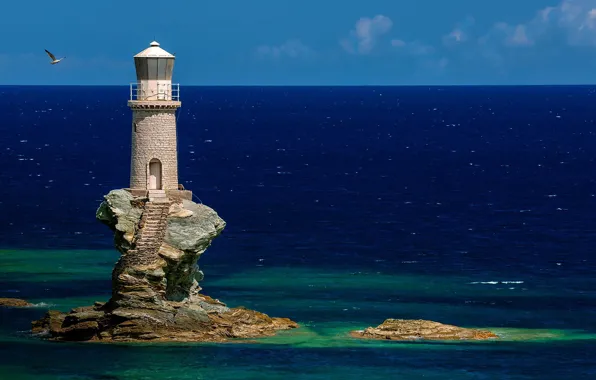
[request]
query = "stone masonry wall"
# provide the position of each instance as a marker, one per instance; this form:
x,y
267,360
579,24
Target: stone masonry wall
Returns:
x,y
154,137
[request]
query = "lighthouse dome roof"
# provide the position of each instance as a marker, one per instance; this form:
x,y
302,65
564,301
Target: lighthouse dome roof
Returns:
x,y
154,51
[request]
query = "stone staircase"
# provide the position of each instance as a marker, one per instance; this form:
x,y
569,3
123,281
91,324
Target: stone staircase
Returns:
x,y
148,238
146,243
153,226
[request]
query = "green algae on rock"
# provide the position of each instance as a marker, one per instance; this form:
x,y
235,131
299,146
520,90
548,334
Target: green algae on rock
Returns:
x,y
155,289
418,329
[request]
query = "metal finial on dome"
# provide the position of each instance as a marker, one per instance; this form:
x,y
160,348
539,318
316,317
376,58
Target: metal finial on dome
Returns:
x,y
154,43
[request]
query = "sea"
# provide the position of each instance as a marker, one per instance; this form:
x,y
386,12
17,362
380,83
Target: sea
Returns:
x,y
345,206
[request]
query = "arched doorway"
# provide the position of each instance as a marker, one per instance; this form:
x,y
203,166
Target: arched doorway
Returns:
x,y
155,174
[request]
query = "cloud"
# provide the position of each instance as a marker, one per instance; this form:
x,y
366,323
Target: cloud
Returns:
x,y
366,33
292,48
515,35
460,34
457,35
574,20
576,17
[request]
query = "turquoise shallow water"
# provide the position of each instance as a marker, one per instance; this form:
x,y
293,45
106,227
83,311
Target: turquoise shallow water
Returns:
x,y
327,304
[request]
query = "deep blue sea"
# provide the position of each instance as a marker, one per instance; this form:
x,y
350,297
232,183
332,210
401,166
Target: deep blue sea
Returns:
x,y
473,206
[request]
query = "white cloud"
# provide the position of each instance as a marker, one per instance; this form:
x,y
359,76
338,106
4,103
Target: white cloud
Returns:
x,y
514,35
460,34
292,48
366,33
457,35
575,20
520,37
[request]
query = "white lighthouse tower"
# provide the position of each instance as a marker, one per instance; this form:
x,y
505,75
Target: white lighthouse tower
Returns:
x,y
154,100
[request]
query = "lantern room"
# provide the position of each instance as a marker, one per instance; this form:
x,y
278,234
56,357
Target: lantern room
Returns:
x,y
154,67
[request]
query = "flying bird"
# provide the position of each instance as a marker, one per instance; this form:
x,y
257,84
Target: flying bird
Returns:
x,y
53,58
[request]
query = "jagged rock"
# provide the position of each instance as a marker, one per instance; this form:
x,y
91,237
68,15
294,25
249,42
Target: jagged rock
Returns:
x,y
13,302
178,211
191,323
118,211
155,283
195,232
408,330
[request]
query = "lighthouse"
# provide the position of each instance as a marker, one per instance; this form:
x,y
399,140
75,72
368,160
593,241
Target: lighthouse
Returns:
x,y
154,100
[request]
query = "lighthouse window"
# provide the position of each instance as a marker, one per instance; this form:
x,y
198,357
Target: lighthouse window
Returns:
x,y
135,126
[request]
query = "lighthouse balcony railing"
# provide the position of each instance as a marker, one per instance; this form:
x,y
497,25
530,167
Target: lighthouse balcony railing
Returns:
x,y
167,92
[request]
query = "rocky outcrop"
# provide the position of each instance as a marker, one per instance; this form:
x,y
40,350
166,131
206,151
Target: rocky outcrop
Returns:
x,y
155,283
13,302
412,330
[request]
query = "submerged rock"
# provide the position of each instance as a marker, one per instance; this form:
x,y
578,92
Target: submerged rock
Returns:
x,y
13,302
418,329
155,283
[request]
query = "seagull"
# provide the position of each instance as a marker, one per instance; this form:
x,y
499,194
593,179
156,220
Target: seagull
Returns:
x,y
53,58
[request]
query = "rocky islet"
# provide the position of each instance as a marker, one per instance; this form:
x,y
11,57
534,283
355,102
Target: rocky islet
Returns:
x,y
155,283
418,329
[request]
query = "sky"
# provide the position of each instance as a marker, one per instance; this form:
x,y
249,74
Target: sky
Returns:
x,y
306,42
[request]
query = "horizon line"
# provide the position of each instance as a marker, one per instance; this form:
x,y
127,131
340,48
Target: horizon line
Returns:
x,y
317,85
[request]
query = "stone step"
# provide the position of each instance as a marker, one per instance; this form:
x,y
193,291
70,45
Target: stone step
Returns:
x,y
150,236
